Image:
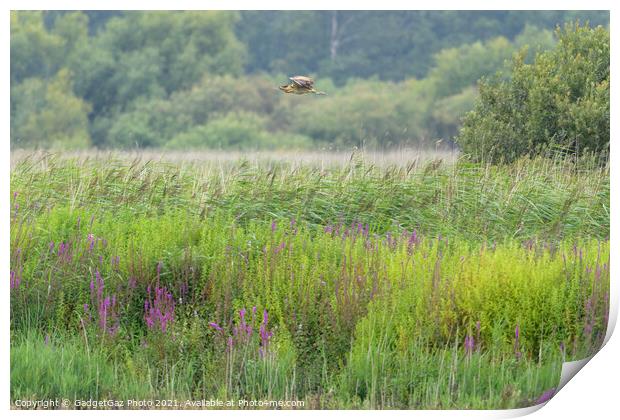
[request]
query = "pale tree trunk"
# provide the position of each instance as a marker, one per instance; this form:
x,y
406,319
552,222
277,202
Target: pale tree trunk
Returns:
x,y
334,41
338,36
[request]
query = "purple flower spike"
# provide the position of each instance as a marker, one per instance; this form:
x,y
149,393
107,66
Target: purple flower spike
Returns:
x,y
517,333
14,280
273,226
546,396
214,325
469,345
160,310
280,248
253,310
517,352
413,239
106,306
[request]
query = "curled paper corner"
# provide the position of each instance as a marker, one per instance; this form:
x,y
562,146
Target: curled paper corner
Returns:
x,y
612,316
569,370
518,412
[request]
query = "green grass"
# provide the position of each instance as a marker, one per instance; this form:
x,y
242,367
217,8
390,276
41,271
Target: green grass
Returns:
x,y
65,367
372,278
542,197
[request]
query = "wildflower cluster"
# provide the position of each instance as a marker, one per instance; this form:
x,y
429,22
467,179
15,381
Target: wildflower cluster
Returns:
x,y
106,314
243,333
159,309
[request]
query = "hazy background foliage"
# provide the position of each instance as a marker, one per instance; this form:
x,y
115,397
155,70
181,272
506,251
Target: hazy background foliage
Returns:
x,y
208,79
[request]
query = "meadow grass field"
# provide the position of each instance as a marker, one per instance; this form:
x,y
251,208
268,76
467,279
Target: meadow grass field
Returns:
x,y
421,282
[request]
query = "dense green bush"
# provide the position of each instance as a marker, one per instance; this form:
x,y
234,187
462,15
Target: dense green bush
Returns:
x,y
559,101
231,130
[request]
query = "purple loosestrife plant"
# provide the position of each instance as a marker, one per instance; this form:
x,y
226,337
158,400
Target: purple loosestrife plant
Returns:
x,y
412,242
65,254
115,262
294,226
215,326
159,309
91,242
265,335
15,280
183,291
242,334
469,345
516,349
279,248
243,331
107,307
546,396
589,318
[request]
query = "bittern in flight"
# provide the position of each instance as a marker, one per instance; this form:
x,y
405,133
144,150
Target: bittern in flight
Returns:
x,y
301,85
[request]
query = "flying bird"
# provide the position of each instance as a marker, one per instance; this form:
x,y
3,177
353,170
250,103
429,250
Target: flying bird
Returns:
x,y
301,85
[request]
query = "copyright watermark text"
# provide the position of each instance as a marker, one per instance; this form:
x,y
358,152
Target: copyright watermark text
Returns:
x,y
65,403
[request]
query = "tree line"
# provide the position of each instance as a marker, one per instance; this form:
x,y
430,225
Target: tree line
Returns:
x,y
209,78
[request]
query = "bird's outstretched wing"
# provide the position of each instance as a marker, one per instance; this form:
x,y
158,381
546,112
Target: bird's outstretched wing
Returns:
x,y
302,81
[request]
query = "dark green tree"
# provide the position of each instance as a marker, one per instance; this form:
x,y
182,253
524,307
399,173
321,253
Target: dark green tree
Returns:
x,y
559,101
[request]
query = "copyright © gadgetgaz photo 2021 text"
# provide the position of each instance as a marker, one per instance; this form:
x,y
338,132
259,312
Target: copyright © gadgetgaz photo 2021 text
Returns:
x,y
66,403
